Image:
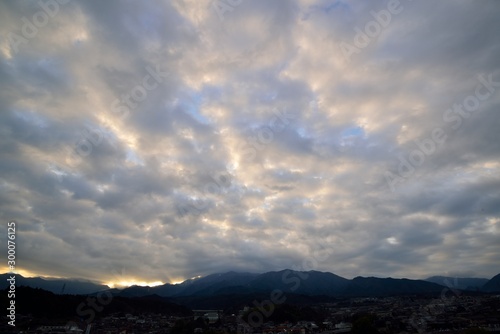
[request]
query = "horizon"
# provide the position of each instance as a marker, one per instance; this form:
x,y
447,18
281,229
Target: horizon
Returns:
x,y
148,142
124,285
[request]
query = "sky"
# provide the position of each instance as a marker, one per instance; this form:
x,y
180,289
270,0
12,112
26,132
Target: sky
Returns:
x,y
154,141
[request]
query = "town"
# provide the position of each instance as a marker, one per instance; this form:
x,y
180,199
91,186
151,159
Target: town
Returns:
x,y
402,314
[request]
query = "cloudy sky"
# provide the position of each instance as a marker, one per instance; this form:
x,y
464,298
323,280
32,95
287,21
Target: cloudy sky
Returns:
x,y
156,141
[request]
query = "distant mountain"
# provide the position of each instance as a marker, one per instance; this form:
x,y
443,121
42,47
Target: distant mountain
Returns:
x,y
311,283
203,286
379,287
55,285
211,284
460,283
223,288
139,291
308,283
493,285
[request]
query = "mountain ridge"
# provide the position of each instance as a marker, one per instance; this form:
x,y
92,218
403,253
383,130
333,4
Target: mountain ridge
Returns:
x,y
307,283
310,283
493,285
55,285
462,283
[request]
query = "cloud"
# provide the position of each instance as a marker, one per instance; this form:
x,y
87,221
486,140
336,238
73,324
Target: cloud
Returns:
x,y
157,141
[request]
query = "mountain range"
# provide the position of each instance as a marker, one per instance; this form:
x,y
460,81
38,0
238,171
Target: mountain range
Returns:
x,y
55,285
459,283
310,284
493,285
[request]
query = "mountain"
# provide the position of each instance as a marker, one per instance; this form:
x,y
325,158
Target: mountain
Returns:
x,y
379,287
138,291
203,286
493,285
55,285
211,284
460,283
221,288
289,282
309,283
